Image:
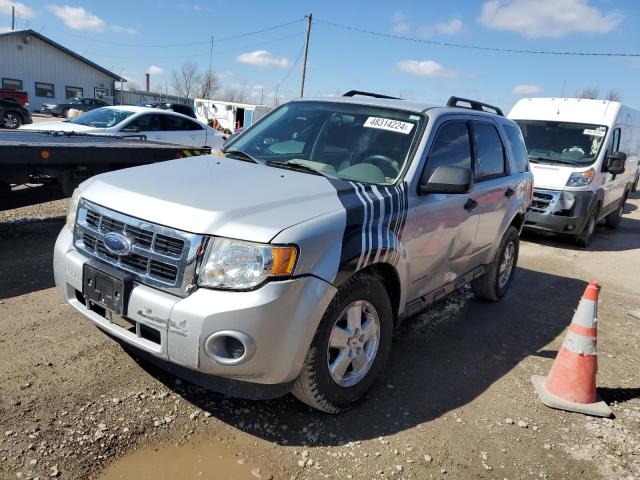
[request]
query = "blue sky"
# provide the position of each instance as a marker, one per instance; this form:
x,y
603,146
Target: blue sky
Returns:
x,y
341,59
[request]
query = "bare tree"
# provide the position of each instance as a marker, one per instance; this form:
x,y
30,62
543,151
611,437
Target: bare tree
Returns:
x,y
235,94
613,95
589,92
207,85
185,80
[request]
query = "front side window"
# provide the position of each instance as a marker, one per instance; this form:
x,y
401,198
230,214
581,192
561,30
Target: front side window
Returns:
x,y
45,90
11,84
145,123
451,148
349,141
562,142
72,92
614,143
102,117
489,151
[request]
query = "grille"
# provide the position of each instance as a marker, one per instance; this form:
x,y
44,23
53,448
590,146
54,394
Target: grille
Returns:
x,y
543,202
159,256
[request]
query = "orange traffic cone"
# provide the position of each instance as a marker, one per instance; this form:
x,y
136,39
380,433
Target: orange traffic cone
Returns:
x,y
571,384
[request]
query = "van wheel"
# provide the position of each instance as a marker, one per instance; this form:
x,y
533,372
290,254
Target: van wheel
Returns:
x,y
350,347
584,238
613,219
495,282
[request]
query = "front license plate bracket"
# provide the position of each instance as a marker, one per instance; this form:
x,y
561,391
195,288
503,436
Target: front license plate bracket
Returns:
x,y
106,287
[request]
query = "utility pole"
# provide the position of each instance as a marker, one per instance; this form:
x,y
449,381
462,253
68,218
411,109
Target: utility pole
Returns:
x,y
306,51
13,17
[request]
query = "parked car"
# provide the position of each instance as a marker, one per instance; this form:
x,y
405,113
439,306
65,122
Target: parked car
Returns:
x,y
157,125
284,264
584,158
77,103
176,107
13,115
16,96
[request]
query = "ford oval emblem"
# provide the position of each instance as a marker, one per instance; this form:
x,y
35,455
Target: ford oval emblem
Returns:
x,y
117,243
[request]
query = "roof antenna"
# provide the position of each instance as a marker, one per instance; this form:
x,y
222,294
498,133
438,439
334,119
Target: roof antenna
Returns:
x,y
564,84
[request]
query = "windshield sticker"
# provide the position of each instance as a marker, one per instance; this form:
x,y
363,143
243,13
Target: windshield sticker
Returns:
x,y
599,132
388,124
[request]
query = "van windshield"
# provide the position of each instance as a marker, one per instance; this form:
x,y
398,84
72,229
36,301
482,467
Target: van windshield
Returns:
x,y
349,141
562,142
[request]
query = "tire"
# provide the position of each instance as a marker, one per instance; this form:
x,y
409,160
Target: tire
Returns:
x,y
583,239
495,282
635,185
366,297
11,120
613,219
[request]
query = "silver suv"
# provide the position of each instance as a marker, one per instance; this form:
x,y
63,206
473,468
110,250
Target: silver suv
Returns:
x,y
284,262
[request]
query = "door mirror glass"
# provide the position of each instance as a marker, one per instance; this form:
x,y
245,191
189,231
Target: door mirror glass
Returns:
x,y
615,163
447,179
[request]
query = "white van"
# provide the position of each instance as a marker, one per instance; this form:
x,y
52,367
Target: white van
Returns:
x,y
584,159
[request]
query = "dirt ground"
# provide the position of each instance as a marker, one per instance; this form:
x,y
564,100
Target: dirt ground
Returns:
x,y
455,402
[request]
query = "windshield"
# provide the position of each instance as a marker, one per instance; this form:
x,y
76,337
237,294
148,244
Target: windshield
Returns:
x,y
562,142
102,117
353,142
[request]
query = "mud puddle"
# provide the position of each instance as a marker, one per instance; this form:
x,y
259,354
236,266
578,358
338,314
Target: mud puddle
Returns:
x,y
207,460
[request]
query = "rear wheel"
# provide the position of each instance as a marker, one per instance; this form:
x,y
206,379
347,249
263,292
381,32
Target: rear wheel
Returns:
x,y
495,282
613,219
350,347
11,120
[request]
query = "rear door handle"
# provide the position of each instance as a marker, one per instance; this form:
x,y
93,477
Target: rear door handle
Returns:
x,y
509,193
470,205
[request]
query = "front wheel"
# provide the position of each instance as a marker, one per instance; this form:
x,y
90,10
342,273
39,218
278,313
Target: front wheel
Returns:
x,y
584,238
613,219
495,282
350,347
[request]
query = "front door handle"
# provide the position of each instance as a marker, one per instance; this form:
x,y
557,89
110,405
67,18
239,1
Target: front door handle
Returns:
x,y
470,205
509,193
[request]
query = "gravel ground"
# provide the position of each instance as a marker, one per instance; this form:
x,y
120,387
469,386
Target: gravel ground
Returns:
x,y
455,402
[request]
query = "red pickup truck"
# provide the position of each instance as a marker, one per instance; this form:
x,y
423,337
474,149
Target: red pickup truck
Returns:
x,y
21,98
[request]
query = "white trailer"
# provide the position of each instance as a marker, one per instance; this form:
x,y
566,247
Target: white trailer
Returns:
x,y
230,115
584,158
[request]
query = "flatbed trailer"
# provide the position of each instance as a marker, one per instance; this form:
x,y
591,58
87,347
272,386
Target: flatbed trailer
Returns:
x,y
67,159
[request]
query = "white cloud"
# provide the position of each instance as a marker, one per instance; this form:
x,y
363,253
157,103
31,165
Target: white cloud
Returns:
x,y
262,58
119,29
197,8
22,11
154,70
425,68
77,18
526,90
451,27
548,18
399,23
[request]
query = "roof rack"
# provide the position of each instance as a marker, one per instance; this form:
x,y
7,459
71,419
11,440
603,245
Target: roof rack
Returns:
x,y
353,93
474,105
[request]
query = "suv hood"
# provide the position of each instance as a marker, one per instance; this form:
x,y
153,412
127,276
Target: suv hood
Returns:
x,y
215,195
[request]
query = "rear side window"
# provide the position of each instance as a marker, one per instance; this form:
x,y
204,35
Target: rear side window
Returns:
x,y
451,147
173,124
489,151
517,147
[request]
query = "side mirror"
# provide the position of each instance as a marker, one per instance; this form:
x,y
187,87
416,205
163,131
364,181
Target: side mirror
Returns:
x,y
448,180
615,163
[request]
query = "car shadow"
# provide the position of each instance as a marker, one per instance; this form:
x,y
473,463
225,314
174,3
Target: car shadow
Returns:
x,y
25,195
26,251
440,360
625,237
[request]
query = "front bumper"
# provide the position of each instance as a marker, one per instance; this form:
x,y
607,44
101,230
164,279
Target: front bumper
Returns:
x,y
559,211
280,318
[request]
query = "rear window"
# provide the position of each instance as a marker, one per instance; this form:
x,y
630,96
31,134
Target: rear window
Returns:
x,y
516,142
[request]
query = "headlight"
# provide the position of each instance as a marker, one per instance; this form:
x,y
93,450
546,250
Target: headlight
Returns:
x,y
73,210
581,179
237,265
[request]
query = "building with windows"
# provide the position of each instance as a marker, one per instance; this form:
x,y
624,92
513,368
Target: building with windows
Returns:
x,y
49,72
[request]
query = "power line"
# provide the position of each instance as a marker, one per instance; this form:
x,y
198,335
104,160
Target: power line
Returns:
x,y
200,54
472,47
288,74
190,44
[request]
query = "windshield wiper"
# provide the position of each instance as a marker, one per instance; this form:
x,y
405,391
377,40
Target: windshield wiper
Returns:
x,y
295,166
552,160
244,156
